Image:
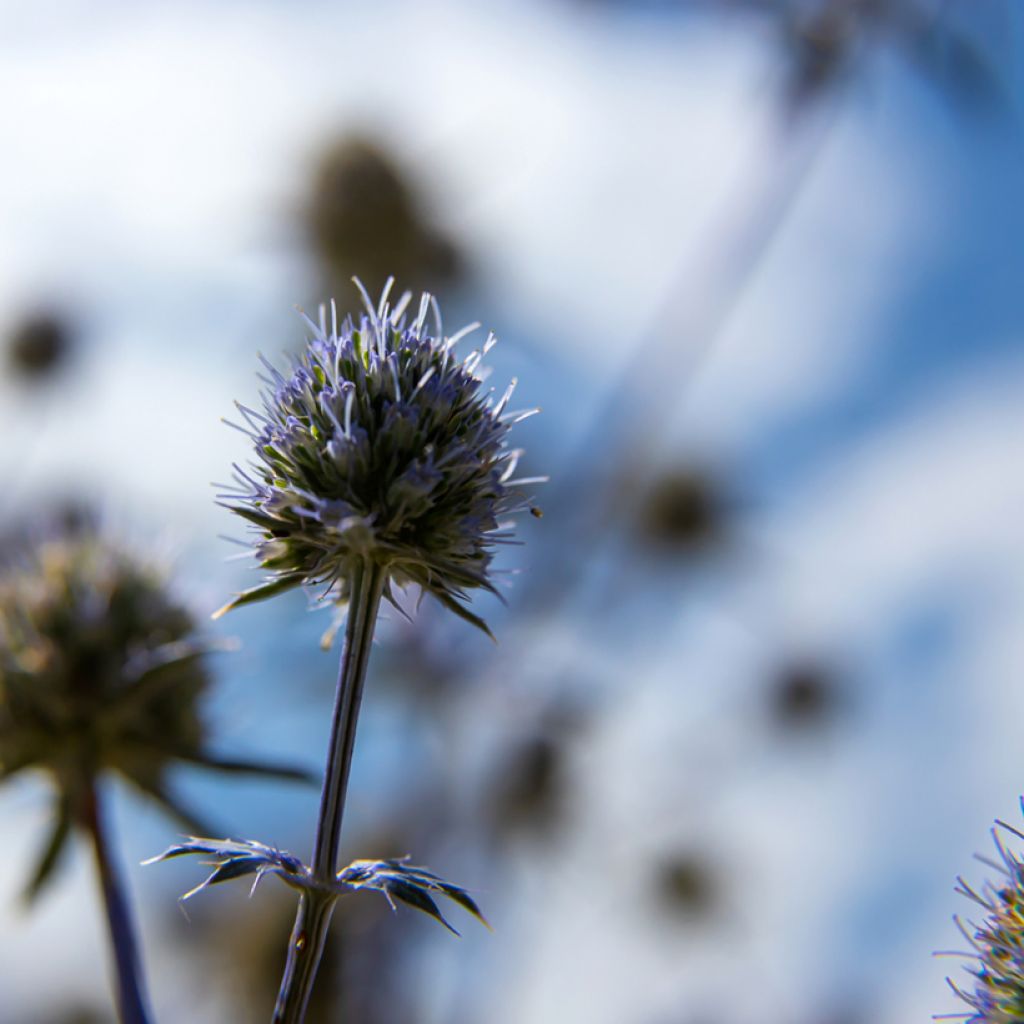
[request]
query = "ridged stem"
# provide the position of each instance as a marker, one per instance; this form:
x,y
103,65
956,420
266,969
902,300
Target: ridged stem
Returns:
x,y
132,1005
309,934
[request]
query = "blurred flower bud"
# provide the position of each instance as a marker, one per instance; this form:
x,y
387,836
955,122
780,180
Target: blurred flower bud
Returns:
x,y
529,784
364,220
803,695
681,511
38,346
685,884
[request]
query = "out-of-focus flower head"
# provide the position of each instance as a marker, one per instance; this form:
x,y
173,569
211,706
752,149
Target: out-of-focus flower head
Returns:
x,y
683,510
997,942
380,446
38,346
363,218
101,669
686,885
805,694
528,787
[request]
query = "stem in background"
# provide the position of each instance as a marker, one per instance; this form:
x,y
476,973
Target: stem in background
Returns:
x,y
309,934
132,1005
636,405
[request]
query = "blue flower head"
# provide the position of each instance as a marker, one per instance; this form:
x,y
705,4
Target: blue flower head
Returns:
x,y
380,446
997,943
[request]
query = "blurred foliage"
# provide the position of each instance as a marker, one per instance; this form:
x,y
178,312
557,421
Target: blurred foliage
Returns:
x,y
365,217
80,1015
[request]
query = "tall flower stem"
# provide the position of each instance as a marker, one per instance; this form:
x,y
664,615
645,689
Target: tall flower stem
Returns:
x,y
132,1005
309,933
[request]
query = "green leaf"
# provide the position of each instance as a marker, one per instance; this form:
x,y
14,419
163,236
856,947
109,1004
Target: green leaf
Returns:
x,y
408,884
464,613
413,896
260,519
464,900
240,766
51,854
237,867
19,760
172,805
264,590
166,674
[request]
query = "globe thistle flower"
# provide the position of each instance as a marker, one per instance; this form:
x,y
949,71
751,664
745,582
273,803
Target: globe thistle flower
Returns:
x,y
101,670
380,447
380,462
997,943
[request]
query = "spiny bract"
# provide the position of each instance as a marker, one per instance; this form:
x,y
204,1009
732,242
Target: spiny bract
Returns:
x,y
380,446
998,942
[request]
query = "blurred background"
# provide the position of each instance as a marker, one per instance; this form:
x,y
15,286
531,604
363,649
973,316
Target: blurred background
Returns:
x,y
756,699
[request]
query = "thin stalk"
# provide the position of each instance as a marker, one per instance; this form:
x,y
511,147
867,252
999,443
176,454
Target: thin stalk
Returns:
x,y
309,934
132,1004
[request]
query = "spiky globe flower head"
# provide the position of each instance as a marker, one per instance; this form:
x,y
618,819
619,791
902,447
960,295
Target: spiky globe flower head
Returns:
x,y
101,669
997,943
379,446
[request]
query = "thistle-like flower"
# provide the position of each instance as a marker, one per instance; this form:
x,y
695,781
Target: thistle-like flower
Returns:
x,y
381,462
101,669
380,447
997,943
